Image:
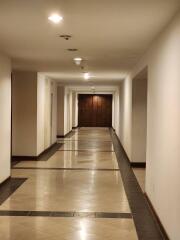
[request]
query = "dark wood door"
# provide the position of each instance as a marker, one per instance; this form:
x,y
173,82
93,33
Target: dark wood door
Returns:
x,y
95,110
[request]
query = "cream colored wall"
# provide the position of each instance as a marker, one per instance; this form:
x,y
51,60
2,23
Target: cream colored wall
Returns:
x,y
54,112
125,109
46,120
115,112
163,125
60,110
40,113
67,111
24,113
139,119
74,110
31,119
5,122
64,110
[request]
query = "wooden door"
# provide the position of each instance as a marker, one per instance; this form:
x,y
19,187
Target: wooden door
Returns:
x,y
94,110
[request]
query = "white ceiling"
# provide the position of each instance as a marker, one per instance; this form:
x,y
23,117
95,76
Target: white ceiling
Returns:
x,y
111,34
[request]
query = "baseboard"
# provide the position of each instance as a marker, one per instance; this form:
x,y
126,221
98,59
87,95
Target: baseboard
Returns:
x,y
74,127
138,164
5,181
162,229
41,157
24,158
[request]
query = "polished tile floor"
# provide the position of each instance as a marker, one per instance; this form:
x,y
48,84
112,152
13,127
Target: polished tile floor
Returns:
x,y
82,176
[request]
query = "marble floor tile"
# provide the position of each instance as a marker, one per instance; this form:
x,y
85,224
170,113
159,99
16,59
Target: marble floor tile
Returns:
x,y
52,190
87,145
76,159
39,228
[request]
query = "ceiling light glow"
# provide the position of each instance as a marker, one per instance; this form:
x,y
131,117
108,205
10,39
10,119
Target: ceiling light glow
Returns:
x,y
77,60
55,18
86,76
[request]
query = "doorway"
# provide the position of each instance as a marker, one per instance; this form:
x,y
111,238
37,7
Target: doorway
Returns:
x,y
139,125
95,110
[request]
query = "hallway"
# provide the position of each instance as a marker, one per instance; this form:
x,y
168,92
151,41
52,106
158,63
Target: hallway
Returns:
x,y
89,120
77,193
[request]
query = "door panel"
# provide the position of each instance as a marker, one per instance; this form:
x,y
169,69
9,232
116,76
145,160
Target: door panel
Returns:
x,y
95,110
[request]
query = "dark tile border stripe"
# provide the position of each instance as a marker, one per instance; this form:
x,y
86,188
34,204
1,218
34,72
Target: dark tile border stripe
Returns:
x,y
138,164
68,150
146,223
14,163
69,169
66,214
44,156
68,135
89,140
9,187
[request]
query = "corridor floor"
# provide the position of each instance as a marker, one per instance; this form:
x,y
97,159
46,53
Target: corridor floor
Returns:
x,y
77,193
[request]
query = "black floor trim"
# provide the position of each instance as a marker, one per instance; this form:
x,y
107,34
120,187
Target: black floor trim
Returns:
x,y
66,214
69,150
44,156
138,165
89,140
68,135
69,169
9,187
146,224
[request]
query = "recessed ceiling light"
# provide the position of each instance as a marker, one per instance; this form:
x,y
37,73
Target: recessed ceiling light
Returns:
x,y
55,18
65,36
72,49
86,76
77,60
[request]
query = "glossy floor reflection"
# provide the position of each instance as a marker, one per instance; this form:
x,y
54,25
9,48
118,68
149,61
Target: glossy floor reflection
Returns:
x,y
39,228
76,159
87,145
51,188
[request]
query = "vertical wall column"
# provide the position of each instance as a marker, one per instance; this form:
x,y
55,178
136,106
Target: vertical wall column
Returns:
x,y
5,122
64,111
34,113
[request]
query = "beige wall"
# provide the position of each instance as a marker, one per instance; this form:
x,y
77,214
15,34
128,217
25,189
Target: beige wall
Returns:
x,y
115,111
139,119
31,120
60,110
46,113
74,109
5,122
163,125
64,110
24,113
125,114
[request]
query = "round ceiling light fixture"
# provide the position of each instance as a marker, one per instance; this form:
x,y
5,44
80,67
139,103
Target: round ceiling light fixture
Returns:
x,y
77,60
55,18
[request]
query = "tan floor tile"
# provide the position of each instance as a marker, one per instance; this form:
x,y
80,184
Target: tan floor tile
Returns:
x,y
87,145
75,159
20,228
52,190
